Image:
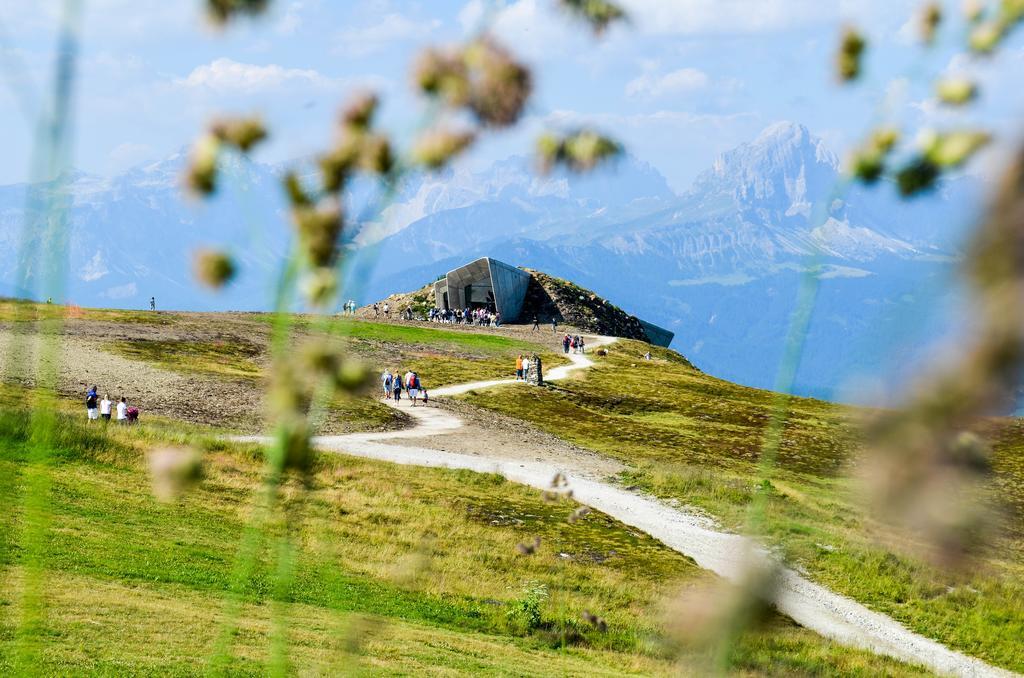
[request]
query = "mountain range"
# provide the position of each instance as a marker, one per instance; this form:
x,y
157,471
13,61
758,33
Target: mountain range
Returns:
x,y
721,264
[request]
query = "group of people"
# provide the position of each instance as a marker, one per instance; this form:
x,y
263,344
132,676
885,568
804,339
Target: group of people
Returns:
x,y
573,342
481,317
394,383
523,367
377,308
97,408
349,307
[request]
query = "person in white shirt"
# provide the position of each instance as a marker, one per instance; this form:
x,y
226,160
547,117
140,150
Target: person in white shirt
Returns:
x,y
122,412
105,406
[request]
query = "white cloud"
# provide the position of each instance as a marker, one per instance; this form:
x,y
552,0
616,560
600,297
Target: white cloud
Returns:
x,y
390,29
675,82
121,291
229,75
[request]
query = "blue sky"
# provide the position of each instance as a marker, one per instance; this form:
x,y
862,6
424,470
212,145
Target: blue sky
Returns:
x,y
685,80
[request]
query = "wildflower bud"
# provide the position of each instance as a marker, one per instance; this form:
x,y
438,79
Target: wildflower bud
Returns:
x,y
436,148
578,515
222,11
321,286
985,36
595,621
599,14
916,176
352,377
973,10
868,162
851,50
443,74
336,165
956,91
297,448
952,149
549,152
528,549
173,470
242,133
213,269
296,193
201,175
319,228
359,113
587,149
319,359
375,156
931,17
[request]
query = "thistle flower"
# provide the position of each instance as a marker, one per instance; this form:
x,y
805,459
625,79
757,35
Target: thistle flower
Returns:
x,y
201,174
213,268
851,50
297,195
336,165
917,176
956,91
500,86
599,14
436,148
931,17
173,470
242,133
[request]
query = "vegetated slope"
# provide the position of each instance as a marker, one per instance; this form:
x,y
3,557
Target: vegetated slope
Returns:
x,y
397,569
547,298
695,439
214,368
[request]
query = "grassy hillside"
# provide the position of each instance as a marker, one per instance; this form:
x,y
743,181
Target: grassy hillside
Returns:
x,y
694,439
399,570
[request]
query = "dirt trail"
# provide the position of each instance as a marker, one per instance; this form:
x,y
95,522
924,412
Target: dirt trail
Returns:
x,y
809,604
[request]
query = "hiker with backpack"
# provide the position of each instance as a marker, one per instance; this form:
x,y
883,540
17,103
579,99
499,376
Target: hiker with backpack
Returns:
x,y
565,344
396,387
91,404
412,386
385,381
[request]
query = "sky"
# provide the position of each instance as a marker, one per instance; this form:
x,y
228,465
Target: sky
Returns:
x,y
683,81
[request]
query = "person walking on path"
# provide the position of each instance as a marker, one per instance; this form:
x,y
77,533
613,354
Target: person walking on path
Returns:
x,y
413,387
519,367
582,345
396,387
122,411
152,303
536,324
565,344
105,406
91,404
376,310
554,325
387,311
385,381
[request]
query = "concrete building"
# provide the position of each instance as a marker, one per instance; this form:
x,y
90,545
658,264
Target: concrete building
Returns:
x,y
487,283
499,287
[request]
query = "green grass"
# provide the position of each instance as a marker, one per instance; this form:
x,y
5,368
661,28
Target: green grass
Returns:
x,y
696,439
12,310
137,587
237,358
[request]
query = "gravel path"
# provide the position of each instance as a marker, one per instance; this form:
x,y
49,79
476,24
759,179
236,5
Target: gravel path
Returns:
x,y
810,605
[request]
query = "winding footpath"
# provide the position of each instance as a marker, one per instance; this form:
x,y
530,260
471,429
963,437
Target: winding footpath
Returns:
x,y
809,604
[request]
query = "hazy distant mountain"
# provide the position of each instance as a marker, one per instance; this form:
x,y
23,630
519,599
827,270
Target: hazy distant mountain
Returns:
x,y
719,264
